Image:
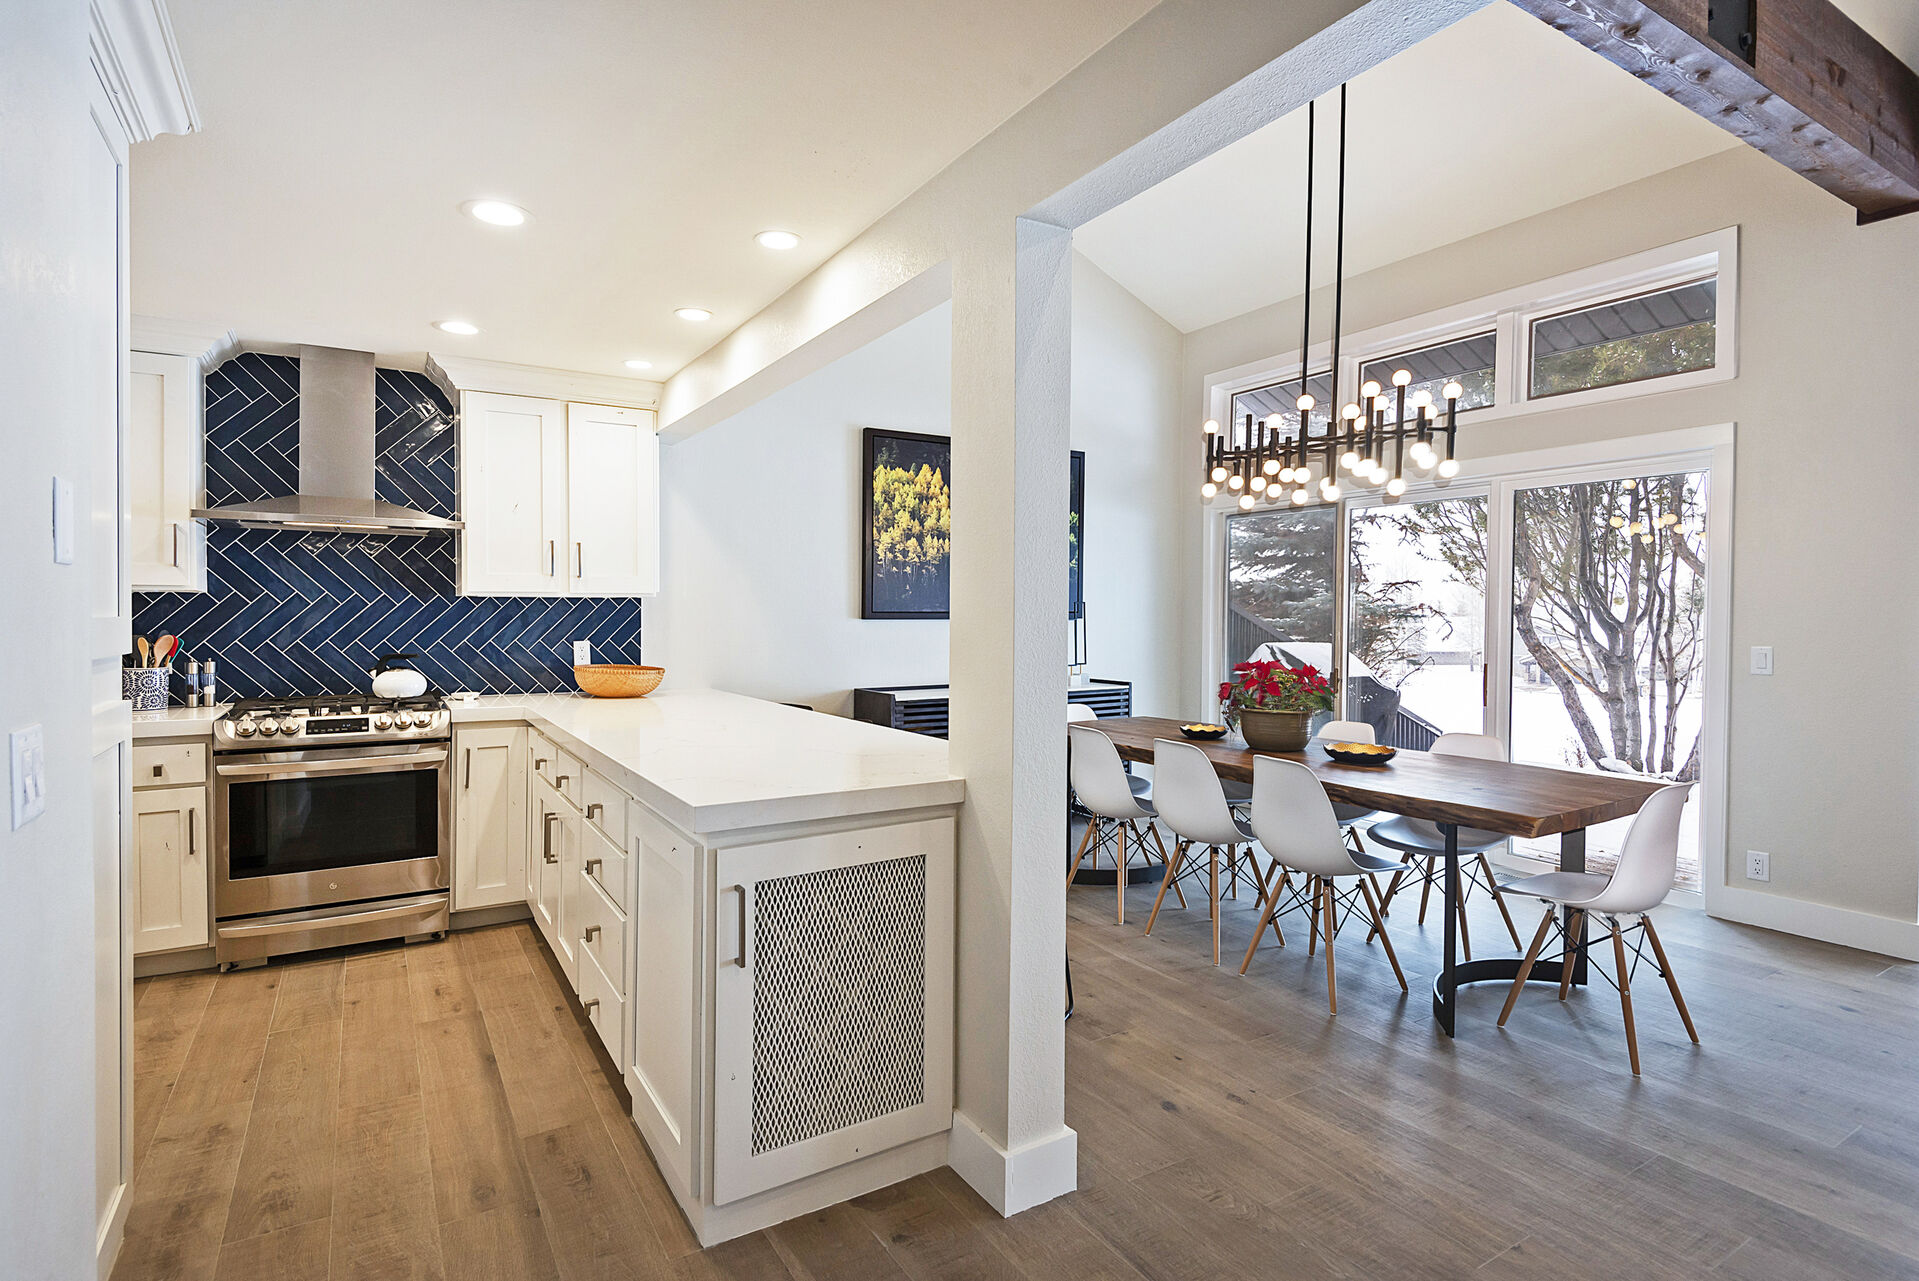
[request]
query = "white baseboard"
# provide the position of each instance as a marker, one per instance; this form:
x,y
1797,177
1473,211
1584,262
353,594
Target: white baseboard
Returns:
x,y
1017,1180
1885,935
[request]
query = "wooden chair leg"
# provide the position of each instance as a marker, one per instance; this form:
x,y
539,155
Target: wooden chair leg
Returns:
x,y
1574,924
1266,914
1426,888
1153,831
1492,887
1282,881
1625,994
1392,888
1329,922
1213,888
1379,924
1172,874
1080,857
1232,870
1672,983
1526,967
1465,933
1312,917
1119,870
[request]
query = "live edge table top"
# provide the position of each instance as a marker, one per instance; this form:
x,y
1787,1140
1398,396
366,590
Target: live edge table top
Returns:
x,y
1513,800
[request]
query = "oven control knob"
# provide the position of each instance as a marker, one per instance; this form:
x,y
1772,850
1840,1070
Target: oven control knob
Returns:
x,y
244,727
269,726
290,727
382,721
421,720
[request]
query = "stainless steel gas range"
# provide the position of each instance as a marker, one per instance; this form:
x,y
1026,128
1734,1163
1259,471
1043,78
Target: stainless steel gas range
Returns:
x,y
332,823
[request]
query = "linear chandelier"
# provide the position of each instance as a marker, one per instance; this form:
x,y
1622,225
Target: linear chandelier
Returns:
x,y
1261,458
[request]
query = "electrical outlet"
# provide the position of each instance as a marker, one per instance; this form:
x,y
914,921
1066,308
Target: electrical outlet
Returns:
x,y
582,653
1758,866
1762,660
29,775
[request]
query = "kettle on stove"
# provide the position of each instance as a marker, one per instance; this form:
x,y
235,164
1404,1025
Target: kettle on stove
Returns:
x,y
395,677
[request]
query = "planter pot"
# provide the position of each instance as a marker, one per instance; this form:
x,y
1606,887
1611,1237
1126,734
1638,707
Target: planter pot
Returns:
x,y
1276,731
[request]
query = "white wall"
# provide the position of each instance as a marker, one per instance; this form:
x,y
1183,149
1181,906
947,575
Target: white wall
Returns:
x,y
56,300
762,517
1824,754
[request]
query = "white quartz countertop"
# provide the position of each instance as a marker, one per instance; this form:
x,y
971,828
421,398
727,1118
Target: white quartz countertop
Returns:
x,y
706,760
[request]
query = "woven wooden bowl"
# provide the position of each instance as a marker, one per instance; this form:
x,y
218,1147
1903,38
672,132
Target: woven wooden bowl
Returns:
x,y
618,680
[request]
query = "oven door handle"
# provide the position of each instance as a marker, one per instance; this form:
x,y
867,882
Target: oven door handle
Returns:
x,y
355,765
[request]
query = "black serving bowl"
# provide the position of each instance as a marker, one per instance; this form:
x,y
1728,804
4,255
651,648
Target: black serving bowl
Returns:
x,y
1359,758
1205,734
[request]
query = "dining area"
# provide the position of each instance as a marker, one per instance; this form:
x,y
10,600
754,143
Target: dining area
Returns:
x,y
1327,832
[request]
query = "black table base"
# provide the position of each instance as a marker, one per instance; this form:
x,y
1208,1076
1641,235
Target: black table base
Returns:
x,y
1453,973
1137,874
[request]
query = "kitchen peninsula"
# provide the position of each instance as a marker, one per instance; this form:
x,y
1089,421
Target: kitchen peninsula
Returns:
x,y
753,904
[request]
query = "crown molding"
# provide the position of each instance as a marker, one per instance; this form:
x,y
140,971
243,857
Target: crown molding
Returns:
x,y
456,374
133,50
211,347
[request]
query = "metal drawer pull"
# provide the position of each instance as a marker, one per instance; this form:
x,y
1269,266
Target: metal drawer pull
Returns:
x,y
595,810
547,852
591,865
469,769
559,780
579,560
539,762
592,932
159,771
176,544
740,959
591,1005
552,558
192,816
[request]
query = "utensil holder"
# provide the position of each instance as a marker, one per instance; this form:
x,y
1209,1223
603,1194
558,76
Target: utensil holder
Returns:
x,y
145,687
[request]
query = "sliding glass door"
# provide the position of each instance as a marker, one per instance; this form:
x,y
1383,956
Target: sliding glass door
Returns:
x,y
1608,645
1416,619
1281,586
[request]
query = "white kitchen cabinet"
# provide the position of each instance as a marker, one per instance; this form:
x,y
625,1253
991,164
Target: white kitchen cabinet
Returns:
x,y
663,865
490,799
166,474
169,868
612,504
512,488
558,498
850,931
544,862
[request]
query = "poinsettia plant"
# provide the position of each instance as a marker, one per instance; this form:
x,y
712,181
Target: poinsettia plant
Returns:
x,y
1274,687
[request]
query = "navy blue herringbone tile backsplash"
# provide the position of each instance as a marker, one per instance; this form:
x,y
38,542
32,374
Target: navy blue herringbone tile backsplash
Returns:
x,y
288,612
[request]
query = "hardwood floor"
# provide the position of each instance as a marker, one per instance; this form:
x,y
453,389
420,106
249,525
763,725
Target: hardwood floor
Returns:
x,y
437,1112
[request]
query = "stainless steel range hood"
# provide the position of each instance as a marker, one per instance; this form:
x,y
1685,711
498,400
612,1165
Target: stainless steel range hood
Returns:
x,y
336,458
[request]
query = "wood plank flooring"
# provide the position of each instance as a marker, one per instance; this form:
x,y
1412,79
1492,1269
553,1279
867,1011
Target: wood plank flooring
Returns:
x,y
438,1111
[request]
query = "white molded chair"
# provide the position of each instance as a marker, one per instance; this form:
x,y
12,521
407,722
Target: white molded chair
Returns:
x,y
1424,845
1640,882
1080,713
1349,732
1099,779
1193,807
1293,818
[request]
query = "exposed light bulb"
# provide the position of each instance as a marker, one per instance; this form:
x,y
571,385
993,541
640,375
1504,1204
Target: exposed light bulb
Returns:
x,y
1218,475
1449,468
1422,454
1209,490
1331,492
1422,399
1299,498
1212,426
1395,487
1235,482
1259,484
1275,421
1272,467
1401,377
1369,391
1452,391
1627,484
1647,539
1285,475
1245,502
1351,411
1617,522
1305,403
1349,460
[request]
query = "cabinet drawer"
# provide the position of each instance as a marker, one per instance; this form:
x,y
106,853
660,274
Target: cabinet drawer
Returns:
x,y
605,807
602,1004
545,757
170,765
608,865
566,775
600,931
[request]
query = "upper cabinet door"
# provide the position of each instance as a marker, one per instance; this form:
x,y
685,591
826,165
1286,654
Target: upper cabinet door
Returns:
x,y
613,503
166,475
512,496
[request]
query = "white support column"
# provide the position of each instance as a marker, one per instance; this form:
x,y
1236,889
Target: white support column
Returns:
x,y
1012,358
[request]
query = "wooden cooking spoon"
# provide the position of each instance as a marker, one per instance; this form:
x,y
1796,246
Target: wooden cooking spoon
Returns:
x,y
140,643
164,648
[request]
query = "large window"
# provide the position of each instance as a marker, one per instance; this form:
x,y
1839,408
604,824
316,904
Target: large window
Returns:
x,y
1650,335
1282,398
1280,585
1468,361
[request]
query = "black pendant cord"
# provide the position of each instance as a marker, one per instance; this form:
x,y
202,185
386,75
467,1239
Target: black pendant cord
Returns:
x,y
1306,289
1339,291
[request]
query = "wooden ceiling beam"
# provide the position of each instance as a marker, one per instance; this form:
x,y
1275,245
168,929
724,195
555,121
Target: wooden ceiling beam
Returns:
x,y
1820,96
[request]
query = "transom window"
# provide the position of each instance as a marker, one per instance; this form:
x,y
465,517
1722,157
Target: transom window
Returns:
x,y
1649,335
1469,361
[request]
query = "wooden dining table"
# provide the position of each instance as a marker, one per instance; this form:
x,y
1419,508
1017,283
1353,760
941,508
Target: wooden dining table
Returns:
x,y
1451,792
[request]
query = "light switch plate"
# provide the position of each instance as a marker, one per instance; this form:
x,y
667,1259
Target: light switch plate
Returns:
x,y
582,653
1762,660
62,524
29,774
1758,865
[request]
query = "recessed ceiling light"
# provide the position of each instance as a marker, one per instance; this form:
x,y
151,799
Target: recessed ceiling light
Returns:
x,y
461,327
639,364
778,240
694,313
497,212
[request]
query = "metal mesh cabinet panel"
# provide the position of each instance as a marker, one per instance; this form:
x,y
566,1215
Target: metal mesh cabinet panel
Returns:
x,y
839,999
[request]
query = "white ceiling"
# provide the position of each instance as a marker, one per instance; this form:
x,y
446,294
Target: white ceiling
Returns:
x,y
649,141
1492,120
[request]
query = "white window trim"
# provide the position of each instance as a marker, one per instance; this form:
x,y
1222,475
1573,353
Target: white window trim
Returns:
x,y
1509,314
